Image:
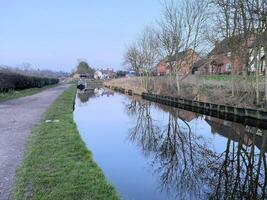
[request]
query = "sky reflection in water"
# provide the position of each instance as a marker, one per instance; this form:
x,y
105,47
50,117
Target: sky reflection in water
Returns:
x,y
152,151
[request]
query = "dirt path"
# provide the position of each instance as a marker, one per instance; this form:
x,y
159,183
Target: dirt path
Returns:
x,y
17,118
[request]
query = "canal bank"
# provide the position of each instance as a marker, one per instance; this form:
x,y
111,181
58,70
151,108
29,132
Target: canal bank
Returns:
x,y
243,115
57,164
209,89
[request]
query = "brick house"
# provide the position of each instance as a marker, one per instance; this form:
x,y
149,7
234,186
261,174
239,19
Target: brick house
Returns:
x,y
219,64
201,66
223,64
185,59
221,60
163,68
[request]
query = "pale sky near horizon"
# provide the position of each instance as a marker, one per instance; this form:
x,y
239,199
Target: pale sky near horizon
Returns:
x,y
51,34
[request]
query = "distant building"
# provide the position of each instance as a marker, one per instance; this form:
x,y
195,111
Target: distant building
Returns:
x,y
104,74
98,75
108,73
131,74
185,60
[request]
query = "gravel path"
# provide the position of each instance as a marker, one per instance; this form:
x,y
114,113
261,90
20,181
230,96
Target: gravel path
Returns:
x,y
17,118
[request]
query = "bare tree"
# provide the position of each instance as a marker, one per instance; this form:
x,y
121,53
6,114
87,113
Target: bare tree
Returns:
x,y
179,30
132,58
143,56
169,35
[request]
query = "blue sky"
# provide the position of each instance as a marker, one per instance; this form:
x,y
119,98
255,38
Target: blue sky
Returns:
x,y
53,34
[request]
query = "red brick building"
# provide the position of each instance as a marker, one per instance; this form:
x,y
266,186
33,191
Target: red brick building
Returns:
x,y
222,61
185,61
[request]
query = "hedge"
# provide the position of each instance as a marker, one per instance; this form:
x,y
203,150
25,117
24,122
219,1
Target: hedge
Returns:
x,y
14,81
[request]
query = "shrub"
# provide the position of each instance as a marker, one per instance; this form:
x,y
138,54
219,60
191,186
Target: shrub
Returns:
x,y
13,81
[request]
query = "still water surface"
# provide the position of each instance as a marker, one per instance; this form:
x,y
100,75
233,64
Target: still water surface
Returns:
x,y
151,151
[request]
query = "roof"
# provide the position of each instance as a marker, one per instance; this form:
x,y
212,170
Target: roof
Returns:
x,y
217,62
200,63
180,54
228,44
106,71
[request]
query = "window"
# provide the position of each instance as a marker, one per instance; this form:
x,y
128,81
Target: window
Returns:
x,y
229,54
229,67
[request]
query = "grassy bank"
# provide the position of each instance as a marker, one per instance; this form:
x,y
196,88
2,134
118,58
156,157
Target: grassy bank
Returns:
x,y
22,93
229,77
57,164
212,89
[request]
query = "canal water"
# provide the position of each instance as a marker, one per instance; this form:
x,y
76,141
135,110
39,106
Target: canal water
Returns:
x,y
151,151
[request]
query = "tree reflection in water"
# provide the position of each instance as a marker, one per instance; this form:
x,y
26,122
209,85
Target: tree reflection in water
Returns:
x,y
241,174
146,132
85,95
187,163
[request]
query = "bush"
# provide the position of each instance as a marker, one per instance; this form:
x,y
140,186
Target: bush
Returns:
x,y
13,81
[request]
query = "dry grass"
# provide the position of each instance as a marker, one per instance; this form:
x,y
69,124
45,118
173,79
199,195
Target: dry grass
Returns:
x,y
203,88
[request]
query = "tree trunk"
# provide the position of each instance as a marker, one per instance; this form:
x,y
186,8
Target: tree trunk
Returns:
x,y
257,76
178,83
265,74
147,81
233,86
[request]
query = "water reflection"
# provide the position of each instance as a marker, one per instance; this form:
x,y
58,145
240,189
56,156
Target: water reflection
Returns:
x,y
179,156
85,95
186,162
241,173
192,156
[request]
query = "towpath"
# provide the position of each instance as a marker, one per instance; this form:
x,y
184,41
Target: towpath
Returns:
x,y
17,118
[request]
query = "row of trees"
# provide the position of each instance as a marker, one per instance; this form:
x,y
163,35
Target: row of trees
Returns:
x,y
188,25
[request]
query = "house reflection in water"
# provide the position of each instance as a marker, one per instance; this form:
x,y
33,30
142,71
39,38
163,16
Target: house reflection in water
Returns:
x,y
247,135
85,95
235,131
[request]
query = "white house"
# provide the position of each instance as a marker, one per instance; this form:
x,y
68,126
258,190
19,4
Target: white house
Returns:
x,y
261,60
98,75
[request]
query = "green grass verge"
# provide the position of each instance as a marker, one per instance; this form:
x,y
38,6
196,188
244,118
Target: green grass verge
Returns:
x,y
229,77
22,93
57,164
